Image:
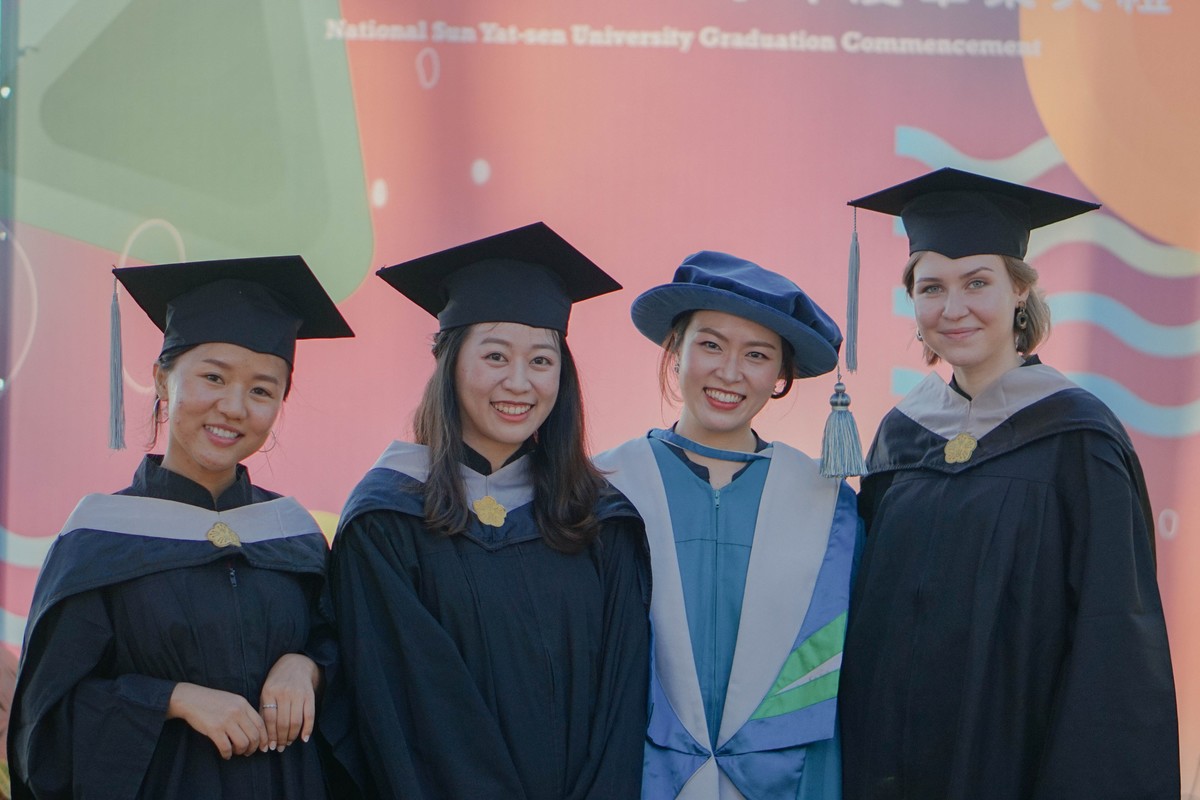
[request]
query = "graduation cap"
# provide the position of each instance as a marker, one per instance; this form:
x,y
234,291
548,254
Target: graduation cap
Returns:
x,y
959,213
262,304
529,275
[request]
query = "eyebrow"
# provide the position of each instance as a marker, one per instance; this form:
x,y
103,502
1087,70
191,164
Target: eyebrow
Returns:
x,y
965,275
262,376
724,338
551,346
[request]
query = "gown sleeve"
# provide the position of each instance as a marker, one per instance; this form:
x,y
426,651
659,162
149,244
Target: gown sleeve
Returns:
x,y
411,694
618,734
72,726
1114,729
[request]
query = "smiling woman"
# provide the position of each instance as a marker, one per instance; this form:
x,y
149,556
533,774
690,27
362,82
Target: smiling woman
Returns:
x,y
751,546
178,624
221,402
490,586
1007,638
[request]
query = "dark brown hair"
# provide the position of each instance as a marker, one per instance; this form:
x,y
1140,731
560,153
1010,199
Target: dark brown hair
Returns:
x,y
566,485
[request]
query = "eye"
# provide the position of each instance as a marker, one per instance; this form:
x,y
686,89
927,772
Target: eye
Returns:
x,y
212,377
977,283
496,357
542,361
930,288
757,356
262,391
708,344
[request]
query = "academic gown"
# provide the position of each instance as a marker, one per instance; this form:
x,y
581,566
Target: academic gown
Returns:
x,y
486,664
121,615
1006,637
767,665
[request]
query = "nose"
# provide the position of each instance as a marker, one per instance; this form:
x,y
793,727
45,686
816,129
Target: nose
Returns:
x,y
955,306
517,378
729,370
232,404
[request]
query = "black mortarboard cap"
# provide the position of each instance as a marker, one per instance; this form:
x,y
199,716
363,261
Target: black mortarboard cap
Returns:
x,y
529,275
262,304
959,213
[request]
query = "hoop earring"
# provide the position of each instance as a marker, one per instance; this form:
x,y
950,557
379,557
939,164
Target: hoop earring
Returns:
x,y
1022,317
920,338
274,442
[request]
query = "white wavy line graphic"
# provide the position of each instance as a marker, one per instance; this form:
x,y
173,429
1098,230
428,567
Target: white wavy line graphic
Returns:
x,y
12,628
24,551
1163,341
1119,238
935,152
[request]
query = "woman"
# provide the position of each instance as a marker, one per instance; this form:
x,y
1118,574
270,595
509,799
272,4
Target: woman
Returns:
x,y
175,644
751,547
490,588
1007,638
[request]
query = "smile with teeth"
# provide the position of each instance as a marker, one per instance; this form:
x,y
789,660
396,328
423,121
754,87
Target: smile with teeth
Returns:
x,y
724,397
221,433
512,409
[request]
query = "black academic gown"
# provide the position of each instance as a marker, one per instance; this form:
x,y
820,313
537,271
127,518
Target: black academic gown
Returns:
x,y
486,664
102,656
1006,636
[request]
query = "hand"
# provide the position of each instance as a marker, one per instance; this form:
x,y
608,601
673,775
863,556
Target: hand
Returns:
x,y
288,700
227,719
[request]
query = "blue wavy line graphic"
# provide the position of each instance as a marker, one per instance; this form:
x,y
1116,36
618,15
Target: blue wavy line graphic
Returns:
x,y
1170,422
935,152
1168,341
1164,341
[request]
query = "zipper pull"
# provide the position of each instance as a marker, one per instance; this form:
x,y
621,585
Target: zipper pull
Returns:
x,y
233,577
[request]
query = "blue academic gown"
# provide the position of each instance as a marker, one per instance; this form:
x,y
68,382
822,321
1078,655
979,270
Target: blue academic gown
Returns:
x,y
749,613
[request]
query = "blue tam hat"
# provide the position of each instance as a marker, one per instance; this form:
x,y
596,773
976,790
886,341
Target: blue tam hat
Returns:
x,y
712,281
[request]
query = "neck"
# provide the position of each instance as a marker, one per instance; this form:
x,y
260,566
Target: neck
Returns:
x,y
496,453
215,483
976,379
741,440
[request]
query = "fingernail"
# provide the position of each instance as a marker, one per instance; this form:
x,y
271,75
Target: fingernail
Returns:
x,y
305,737
272,745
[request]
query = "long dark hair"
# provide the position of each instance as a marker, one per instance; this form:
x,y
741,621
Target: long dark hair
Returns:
x,y
566,485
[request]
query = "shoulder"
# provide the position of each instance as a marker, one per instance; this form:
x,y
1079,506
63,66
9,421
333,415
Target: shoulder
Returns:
x,y
623,455
383,490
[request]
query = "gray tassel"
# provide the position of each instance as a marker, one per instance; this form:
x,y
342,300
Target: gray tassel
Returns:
x,y
841,449
852,302
116,378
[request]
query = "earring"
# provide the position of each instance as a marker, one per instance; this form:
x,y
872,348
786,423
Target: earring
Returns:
x,y
676,367
1022,317
274,442
920,338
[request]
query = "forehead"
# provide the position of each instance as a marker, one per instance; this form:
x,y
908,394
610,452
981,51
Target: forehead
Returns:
x,y
512,334
236,357
732,327
932,265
